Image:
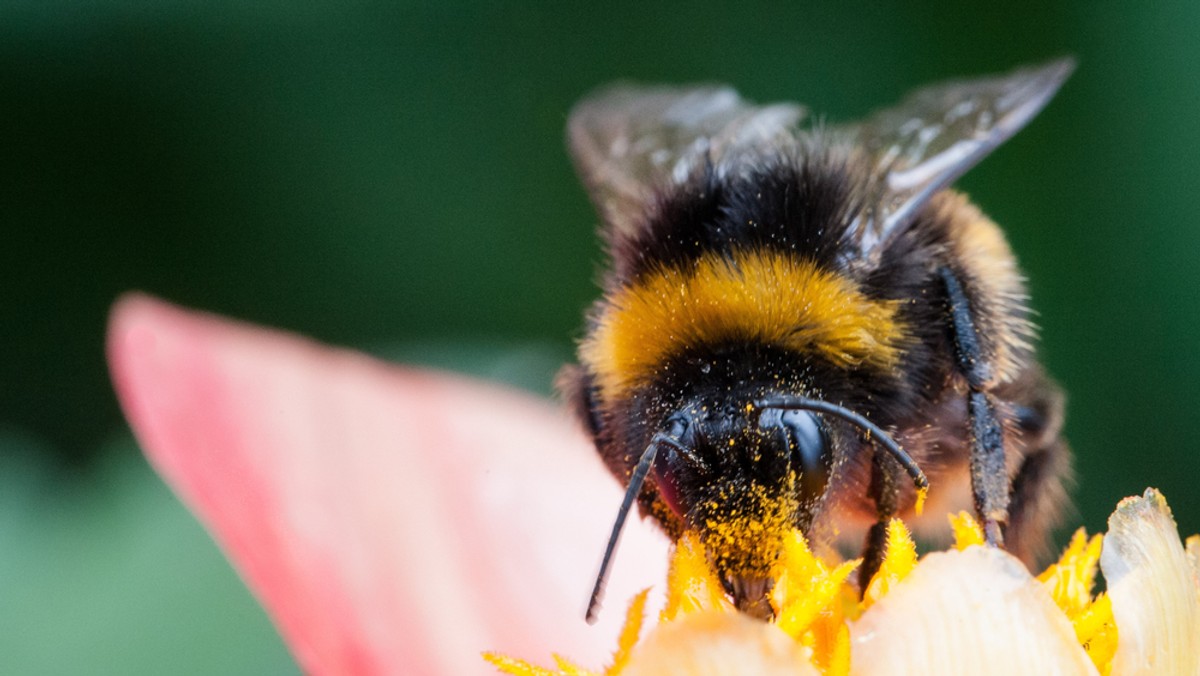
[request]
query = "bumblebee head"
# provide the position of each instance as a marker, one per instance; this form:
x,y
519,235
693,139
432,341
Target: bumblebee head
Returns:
x,y
742,476
709,452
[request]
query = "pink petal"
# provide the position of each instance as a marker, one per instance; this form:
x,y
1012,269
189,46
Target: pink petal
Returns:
x,y
390,519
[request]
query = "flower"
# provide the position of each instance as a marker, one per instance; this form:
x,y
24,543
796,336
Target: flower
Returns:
x,y
395,520
391,520
973,610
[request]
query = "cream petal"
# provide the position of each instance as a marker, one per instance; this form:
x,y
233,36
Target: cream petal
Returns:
x,y
391,520
976,611
719,644
1192,546
1155,600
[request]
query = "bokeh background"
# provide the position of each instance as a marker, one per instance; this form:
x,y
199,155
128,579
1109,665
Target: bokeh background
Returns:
x,y
392,176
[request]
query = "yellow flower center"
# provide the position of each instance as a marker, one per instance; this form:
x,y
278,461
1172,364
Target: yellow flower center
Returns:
x,y
814,602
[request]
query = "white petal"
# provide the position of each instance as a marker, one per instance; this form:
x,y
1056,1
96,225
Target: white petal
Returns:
x,y
716,643
1155,600
977,611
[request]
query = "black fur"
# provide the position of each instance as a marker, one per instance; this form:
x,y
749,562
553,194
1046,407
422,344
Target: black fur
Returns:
x,y
799,206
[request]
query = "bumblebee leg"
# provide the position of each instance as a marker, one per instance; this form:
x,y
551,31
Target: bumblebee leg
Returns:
x,y
885,491
989,477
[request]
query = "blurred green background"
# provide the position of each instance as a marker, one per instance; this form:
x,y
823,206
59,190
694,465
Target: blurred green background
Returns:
x,y
392,176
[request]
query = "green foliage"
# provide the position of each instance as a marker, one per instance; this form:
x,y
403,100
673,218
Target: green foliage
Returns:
x,y
111,575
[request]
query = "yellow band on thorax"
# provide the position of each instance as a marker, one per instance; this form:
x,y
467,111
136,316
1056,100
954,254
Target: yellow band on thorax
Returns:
x,y
757,296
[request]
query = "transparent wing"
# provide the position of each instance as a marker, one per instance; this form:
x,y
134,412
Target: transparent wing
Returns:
x,y
629,142
939,132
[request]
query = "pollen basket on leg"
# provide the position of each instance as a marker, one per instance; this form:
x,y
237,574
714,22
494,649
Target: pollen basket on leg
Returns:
x,y
761,296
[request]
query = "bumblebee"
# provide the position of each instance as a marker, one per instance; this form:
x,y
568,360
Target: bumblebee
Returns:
x,y
803,326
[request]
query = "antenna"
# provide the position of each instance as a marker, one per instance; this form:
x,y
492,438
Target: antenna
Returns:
x,y
636,480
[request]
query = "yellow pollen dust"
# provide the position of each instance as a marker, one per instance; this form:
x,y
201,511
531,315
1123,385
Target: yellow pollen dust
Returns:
x,y
746,539
922,495
768,297
814,600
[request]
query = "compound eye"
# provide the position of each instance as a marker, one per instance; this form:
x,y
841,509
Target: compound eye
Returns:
x,y
676,459
810,449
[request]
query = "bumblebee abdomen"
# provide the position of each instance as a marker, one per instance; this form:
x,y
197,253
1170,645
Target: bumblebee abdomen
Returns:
x,y
790,202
